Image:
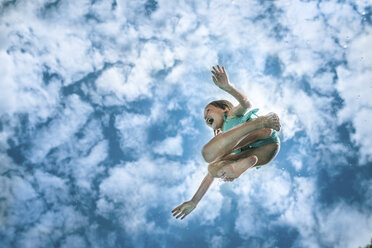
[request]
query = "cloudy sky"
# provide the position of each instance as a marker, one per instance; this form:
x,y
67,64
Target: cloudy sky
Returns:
x,y
101,122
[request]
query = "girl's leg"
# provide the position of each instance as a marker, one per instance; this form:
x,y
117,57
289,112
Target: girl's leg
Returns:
x,y
252,137
234,170
249,139
233,165
225,142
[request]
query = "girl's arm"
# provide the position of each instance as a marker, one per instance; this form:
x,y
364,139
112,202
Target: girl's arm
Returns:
x,y
185,208
244,103
204,186
221,80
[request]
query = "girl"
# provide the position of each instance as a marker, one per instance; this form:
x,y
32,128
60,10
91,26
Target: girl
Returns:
x,y
241,140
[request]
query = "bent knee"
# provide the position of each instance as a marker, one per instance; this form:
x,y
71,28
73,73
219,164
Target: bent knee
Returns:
x,y
265,133
275,150
271,150
275,147
207,155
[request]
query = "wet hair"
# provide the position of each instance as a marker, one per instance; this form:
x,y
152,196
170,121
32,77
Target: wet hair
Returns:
x,y
222,104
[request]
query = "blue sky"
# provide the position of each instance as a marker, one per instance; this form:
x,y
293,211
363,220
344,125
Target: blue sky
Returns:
x,y
101,122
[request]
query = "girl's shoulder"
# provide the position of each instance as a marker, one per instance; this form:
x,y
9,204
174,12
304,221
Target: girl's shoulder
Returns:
x,y
247,115
230,117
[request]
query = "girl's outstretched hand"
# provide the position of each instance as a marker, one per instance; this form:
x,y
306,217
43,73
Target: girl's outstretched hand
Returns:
x,y
220,77
184,209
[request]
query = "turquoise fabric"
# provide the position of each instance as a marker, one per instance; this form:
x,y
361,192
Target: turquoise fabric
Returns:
x,y
251,115
230,123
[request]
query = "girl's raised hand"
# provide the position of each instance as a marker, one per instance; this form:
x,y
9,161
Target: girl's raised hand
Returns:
x,y
184,209
220,77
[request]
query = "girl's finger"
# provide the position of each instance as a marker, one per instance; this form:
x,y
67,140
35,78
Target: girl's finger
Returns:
x,y
223,69
219,69
214,73
179,215
184,216
174,210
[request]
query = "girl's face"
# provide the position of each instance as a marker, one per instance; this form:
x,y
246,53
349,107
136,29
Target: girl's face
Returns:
x,y
213,116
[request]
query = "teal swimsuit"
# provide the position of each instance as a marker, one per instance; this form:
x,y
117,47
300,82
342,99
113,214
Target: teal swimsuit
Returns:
x,y
251,115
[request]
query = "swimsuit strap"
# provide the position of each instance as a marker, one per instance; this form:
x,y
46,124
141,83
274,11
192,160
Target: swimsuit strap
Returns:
x,y
246,117
253,111
250,114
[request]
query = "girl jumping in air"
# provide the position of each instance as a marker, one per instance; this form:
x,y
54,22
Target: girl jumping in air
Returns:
x,y
241,140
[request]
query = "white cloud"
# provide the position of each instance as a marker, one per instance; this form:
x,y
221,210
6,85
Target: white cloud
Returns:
x,y
346,22
131,127
346,226
170,146
54,189
134,189
7,85
51,226
217,241
355,87
300,211
308,114
24,92
111,81
61,128
86,168
185,40
131,191
74,241
268,190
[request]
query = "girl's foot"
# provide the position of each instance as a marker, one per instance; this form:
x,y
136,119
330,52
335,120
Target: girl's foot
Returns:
x,y
235,169
271,120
